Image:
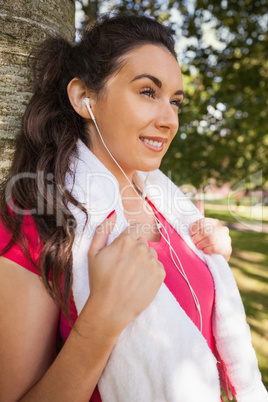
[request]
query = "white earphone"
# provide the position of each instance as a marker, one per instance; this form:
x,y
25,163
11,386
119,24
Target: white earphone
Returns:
x,y
86,102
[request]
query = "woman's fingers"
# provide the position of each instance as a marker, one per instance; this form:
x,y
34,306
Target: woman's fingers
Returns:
x,y
124,277
100,237
217,249
212,237
200,206
153,252
204,225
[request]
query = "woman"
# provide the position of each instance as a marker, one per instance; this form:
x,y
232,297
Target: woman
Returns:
x,y
103,112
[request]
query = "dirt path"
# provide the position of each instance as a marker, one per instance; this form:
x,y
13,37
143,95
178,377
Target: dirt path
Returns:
x,y
248,227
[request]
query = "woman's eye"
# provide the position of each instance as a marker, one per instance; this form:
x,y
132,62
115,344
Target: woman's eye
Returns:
x,y
177,102
149,92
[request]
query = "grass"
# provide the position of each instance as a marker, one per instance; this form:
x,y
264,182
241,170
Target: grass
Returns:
x,y
249,264
252,214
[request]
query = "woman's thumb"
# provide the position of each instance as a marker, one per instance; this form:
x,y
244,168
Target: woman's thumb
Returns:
x,y
101,234
200,206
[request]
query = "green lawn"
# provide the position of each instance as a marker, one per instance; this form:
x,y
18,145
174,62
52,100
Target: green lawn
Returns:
x,y
249,263
253,214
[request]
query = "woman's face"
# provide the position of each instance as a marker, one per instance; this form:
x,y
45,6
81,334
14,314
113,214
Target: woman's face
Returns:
x,y
137,113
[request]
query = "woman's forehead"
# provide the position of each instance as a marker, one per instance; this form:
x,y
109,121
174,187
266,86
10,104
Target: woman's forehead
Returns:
x,y
151,60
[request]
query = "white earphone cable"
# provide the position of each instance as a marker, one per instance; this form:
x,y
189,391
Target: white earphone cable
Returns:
x,y
158,223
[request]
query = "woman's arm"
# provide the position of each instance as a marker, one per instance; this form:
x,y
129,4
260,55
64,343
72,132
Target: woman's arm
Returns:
x,y
29,319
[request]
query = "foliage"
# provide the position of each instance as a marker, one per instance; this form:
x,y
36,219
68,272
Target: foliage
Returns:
x,y
223,134
95,8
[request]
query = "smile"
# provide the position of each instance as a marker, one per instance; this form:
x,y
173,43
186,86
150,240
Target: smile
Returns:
x,y
153,144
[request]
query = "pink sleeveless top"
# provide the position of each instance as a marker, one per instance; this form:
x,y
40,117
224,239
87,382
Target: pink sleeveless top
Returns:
x,y
196,271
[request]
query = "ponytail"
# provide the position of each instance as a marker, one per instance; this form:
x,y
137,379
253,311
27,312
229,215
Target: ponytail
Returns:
x,y
43,147
51,59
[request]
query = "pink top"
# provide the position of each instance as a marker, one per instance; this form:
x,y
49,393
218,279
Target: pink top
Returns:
x,y
196,271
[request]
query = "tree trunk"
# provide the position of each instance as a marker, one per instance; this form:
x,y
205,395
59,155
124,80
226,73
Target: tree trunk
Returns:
x,y
24,24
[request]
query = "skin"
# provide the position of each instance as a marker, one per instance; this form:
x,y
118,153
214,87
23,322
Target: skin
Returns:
x,y
29,323
142,110
139,112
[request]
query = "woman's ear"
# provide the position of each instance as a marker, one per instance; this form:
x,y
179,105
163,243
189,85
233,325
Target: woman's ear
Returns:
x,y
77,91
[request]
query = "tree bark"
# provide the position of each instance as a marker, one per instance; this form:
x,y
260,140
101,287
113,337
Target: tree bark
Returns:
x,y
23,25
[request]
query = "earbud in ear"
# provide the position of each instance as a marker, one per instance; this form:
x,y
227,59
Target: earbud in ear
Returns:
x,y
86,102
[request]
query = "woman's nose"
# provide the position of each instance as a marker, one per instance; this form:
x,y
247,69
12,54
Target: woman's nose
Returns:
x,y
167,117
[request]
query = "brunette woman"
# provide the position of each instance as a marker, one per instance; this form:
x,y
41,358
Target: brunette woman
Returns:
x,y
100,247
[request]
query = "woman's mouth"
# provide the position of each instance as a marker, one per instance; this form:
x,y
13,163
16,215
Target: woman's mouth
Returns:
x,y
155,144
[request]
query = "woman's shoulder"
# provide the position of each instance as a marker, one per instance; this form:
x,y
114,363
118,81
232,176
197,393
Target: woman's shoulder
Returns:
x,y
31,240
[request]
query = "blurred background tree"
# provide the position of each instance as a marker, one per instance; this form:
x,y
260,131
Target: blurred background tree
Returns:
x,y
223,132
222,47
24,24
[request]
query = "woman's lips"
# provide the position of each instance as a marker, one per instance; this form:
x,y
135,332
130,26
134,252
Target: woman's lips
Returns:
x,y
154,143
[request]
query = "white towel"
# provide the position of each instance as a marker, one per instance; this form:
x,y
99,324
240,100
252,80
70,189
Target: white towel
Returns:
x,y
161,355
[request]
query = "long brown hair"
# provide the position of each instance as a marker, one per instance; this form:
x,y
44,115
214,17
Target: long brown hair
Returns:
x,y
49,132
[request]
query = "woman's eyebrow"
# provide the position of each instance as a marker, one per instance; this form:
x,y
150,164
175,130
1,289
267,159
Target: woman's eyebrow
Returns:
x,y
151,77
157,82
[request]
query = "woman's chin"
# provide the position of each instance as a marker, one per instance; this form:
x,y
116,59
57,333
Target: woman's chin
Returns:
x,y
150,167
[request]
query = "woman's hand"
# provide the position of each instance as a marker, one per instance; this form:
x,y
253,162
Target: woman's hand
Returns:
x,y
210,236
124,276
